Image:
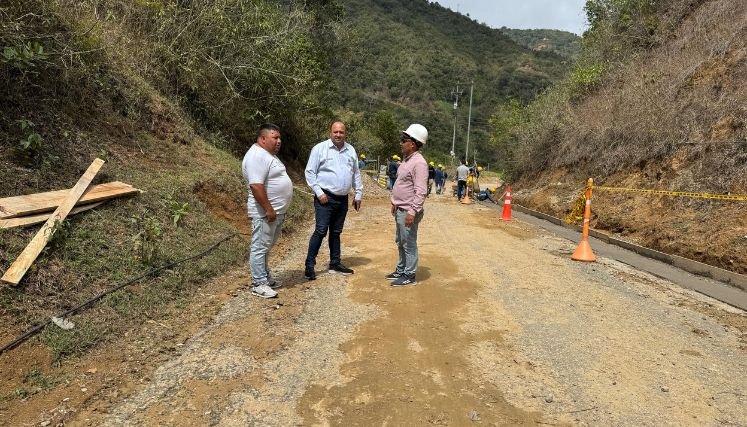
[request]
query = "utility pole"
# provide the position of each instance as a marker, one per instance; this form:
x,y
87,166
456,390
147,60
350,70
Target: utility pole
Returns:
x,y
455,93
469,121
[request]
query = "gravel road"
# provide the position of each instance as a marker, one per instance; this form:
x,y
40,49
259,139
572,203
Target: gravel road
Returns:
x,y
502,329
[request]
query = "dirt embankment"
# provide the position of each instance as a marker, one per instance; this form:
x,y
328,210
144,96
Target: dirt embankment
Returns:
x,y
671,118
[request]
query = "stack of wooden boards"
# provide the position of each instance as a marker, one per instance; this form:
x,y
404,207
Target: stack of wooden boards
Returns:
x,y
36,208
52,207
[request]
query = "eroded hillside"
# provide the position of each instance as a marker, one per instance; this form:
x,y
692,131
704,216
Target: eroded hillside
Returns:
x,y
670,117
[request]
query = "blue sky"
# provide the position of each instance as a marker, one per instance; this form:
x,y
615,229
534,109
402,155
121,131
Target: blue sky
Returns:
x,y
565,15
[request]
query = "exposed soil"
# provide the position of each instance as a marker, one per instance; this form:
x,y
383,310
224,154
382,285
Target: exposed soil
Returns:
x,y
501,329
224,205
707,230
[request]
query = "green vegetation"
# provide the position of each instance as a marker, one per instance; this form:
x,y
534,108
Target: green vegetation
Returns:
x,y
619,28
35,378
507,119
34,382
169,93
633,122
31,143
563,43
71,343
403,59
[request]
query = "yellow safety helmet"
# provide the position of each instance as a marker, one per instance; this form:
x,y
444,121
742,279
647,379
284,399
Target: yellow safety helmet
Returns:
x,y
440,165
479,168
431,163
396,157
363,156
492,189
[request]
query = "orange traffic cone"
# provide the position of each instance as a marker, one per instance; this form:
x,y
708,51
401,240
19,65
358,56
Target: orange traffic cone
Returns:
x,y
506,216
467,200
583,251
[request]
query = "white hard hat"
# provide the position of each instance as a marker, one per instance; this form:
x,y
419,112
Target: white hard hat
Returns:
x,y
417,132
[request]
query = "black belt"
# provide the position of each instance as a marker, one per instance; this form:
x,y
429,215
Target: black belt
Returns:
x,y
333,195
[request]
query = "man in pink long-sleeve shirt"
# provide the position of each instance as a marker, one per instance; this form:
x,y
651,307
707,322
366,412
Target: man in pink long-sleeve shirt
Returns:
x,y
408,196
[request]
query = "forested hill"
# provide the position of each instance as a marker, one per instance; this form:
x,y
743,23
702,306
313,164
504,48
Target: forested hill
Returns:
x,y
406,57
563,43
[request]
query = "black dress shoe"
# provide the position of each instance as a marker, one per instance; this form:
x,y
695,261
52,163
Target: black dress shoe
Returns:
x,y
310,274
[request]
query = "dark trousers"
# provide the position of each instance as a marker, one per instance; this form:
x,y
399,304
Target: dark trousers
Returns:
x,y
461,189
329,217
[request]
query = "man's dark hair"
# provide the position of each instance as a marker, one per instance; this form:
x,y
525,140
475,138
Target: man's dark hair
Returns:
x,y
267,127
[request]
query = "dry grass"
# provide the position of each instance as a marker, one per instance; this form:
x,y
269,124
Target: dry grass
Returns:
x,y
673,117
686,95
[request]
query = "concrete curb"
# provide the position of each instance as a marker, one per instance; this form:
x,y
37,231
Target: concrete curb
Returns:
x,y
701,269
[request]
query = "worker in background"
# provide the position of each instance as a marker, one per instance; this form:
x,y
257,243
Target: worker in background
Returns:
x,y
438,177
431,176
488,194
362,162
462,172
391,171
476,181
471,181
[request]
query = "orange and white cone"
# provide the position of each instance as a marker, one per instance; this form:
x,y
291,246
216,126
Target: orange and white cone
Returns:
x,y
583,251
506,216
466,200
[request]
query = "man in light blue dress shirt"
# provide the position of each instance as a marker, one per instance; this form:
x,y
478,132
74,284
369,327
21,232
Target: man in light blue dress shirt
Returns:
x,y
331,172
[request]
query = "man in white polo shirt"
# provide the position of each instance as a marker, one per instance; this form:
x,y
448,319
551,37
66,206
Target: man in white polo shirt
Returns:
x,y
270,193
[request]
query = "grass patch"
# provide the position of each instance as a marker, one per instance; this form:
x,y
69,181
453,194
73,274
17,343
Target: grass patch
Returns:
x,y
72,343
34,382
37,380
491,174
97,250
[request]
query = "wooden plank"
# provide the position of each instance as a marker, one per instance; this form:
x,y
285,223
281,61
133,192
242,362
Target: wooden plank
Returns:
x,y
17,270
17,206
42,217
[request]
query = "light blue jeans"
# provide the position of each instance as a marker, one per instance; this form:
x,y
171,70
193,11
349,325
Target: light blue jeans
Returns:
x,y
407,242
264,236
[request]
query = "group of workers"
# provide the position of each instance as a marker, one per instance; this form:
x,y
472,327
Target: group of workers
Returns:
x,y
436,175
332,171
468,179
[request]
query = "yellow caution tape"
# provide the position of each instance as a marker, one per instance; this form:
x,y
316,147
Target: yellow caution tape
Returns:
x,y
676,193
577,211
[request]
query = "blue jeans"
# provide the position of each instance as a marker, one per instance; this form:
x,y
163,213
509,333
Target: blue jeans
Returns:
x,y
461,189
407,242
329,217
264,236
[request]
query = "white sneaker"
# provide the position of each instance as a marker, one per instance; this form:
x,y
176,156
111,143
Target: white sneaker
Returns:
x,y
264,291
